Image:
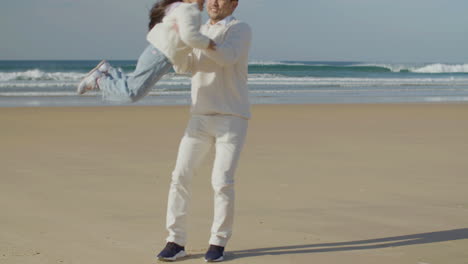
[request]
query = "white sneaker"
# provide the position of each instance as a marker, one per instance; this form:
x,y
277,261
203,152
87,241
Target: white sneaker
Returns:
x,y
105,67
90,81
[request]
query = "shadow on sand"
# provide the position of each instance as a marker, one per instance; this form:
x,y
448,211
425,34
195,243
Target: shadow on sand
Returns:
x,y
397,241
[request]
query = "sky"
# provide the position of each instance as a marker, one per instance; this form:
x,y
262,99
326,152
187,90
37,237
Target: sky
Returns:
x,y
432,31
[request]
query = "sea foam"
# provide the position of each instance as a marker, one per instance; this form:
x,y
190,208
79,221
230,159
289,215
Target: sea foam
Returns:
x,y
429,68
38,75
442,68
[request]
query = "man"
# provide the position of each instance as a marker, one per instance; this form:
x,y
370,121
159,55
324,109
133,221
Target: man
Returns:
x,y
220,112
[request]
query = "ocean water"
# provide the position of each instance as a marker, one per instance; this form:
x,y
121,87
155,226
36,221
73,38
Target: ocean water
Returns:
x,y
53,83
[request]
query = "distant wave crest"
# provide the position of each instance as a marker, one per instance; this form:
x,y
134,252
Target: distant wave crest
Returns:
x,y
265,79
38,75
273,63
430,68
442,68
366,67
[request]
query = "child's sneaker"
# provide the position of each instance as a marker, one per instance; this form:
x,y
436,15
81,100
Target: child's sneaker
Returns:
x,y
105,67
90,81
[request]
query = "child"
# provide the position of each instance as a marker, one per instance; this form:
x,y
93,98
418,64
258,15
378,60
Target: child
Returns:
x,y
174,31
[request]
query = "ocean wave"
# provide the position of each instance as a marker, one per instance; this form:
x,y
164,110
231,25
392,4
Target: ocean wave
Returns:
x,y
256,80
442,68
429,68
41,94
88,94
389,67
327,90
272,79
275,63
359,67
42,76
37,84
75,83
280,70
38,75
331,90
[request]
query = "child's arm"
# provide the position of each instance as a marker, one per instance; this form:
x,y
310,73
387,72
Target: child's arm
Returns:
x,y
188,23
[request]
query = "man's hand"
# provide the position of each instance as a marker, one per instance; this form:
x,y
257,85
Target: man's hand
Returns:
x,y
212,45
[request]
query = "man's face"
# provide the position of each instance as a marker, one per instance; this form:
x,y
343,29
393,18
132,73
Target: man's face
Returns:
x,y
219,9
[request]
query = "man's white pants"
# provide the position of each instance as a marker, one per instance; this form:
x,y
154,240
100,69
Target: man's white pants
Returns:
x,y
227,135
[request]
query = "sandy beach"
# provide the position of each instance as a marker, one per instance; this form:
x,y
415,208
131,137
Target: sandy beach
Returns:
x,y
331,184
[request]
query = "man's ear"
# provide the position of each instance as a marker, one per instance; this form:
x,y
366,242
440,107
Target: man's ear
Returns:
x,y
234,4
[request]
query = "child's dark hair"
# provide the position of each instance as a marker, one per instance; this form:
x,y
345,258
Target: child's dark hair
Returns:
x,y
158,10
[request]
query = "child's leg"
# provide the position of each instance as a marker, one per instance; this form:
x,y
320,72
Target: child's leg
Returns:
x,y
151,66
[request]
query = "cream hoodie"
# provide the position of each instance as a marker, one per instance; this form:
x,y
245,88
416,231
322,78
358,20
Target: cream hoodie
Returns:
x,y
219,78
179,32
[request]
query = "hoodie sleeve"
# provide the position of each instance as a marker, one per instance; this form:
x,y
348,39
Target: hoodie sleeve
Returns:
x,y
236,45
188,19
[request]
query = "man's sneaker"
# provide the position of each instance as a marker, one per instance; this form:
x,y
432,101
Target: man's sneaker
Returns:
x,y
89,82
171,252
214,254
